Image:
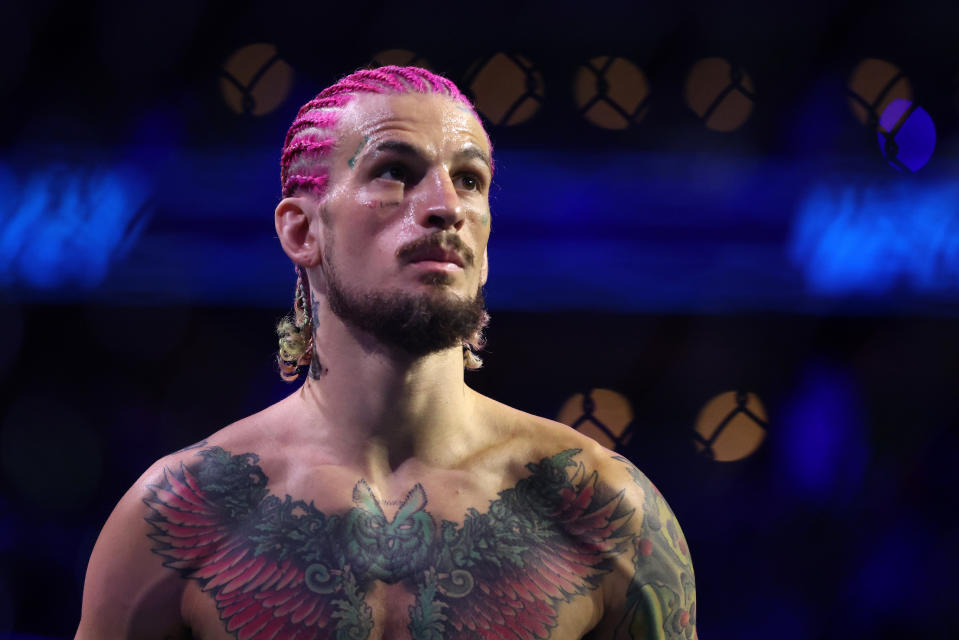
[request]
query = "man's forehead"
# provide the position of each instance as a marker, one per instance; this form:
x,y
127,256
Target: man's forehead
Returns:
x,y
426,114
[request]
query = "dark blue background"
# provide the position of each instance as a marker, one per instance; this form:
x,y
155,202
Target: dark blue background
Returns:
x,y
140,277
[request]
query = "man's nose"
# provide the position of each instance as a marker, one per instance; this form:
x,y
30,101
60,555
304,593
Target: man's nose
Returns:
x,y
442,208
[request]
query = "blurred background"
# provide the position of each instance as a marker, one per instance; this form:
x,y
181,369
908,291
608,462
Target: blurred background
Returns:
x,y
725,243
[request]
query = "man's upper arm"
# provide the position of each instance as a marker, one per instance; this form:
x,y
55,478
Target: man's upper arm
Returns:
x,y
654,596
128,593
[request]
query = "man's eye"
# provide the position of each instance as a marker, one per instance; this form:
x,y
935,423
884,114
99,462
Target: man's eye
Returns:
x,y
470,183
394,172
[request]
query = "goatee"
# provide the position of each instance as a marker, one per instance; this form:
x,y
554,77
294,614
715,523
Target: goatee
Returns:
x,y
419,324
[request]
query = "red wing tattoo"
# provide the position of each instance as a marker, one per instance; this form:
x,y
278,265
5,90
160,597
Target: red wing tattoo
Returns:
x,y
216,523
543,542
281,569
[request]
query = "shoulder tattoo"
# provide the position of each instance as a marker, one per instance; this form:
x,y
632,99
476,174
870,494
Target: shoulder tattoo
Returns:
x,y
661,597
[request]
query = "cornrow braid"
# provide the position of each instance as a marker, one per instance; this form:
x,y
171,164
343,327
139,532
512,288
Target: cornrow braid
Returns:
x,y
303,168
312,136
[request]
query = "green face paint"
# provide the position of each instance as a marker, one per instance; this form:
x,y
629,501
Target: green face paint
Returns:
x,y
484,218
359,148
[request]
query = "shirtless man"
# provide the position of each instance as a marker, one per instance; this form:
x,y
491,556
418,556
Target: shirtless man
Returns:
x,y
384,498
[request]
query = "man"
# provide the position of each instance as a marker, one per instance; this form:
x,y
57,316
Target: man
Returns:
x,y
384,498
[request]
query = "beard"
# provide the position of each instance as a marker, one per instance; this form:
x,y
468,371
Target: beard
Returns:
x,y
419,324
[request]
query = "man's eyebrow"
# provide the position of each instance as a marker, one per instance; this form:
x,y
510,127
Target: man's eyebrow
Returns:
x,y
470,153
407,149
401,148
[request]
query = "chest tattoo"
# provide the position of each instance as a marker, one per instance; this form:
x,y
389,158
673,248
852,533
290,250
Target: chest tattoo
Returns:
x,y
282,569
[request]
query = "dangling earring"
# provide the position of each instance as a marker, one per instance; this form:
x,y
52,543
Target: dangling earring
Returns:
x,y
300,308
304,321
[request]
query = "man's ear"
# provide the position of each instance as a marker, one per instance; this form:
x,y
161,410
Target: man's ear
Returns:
x,y
484,268
299,229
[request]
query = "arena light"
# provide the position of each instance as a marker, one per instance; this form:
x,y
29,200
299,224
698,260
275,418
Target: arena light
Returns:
x,y
907,135
872,86
873,239
602,414
507,89
731,426
611,93
720,93
255,80
822,443
69,224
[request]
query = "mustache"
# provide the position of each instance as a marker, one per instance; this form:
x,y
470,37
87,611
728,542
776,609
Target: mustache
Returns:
x,y
440,240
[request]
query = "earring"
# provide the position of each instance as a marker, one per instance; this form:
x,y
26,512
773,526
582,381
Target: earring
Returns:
x,y
300,307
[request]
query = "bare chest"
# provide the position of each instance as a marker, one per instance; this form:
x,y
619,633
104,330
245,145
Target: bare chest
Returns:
x,y
524,564
396,612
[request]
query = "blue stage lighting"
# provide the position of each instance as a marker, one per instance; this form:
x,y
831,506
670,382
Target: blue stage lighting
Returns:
x,y
67,225
871,240
907,135
821,440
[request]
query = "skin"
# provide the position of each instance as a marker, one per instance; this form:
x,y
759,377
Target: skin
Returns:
x,y
388,441
410,406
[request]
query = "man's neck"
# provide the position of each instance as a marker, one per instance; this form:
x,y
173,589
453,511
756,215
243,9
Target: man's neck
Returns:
x,y
382,405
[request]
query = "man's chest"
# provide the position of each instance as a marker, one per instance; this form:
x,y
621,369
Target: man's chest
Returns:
x,y
523,564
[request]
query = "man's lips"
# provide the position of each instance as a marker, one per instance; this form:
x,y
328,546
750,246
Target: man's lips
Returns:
x,y
436,254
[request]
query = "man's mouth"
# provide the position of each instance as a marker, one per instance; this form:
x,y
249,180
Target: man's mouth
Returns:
x,y
437,255
438,247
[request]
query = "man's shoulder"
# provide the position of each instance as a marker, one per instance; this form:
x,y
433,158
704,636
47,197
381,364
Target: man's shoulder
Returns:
x,y
541,437
258,432
127,585
604,502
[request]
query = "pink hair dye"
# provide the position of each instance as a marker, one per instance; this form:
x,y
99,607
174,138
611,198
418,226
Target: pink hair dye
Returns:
x,y
312,136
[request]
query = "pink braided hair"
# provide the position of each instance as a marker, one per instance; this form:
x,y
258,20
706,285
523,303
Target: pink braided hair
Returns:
x,y
310,139
312,136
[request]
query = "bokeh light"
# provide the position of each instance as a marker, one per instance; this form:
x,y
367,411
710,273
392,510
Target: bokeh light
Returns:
x,y
873,239
69,224
731,426
255,80
821,437
602,414
873,84
507,89
611,93
720,93
907,135
400,58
